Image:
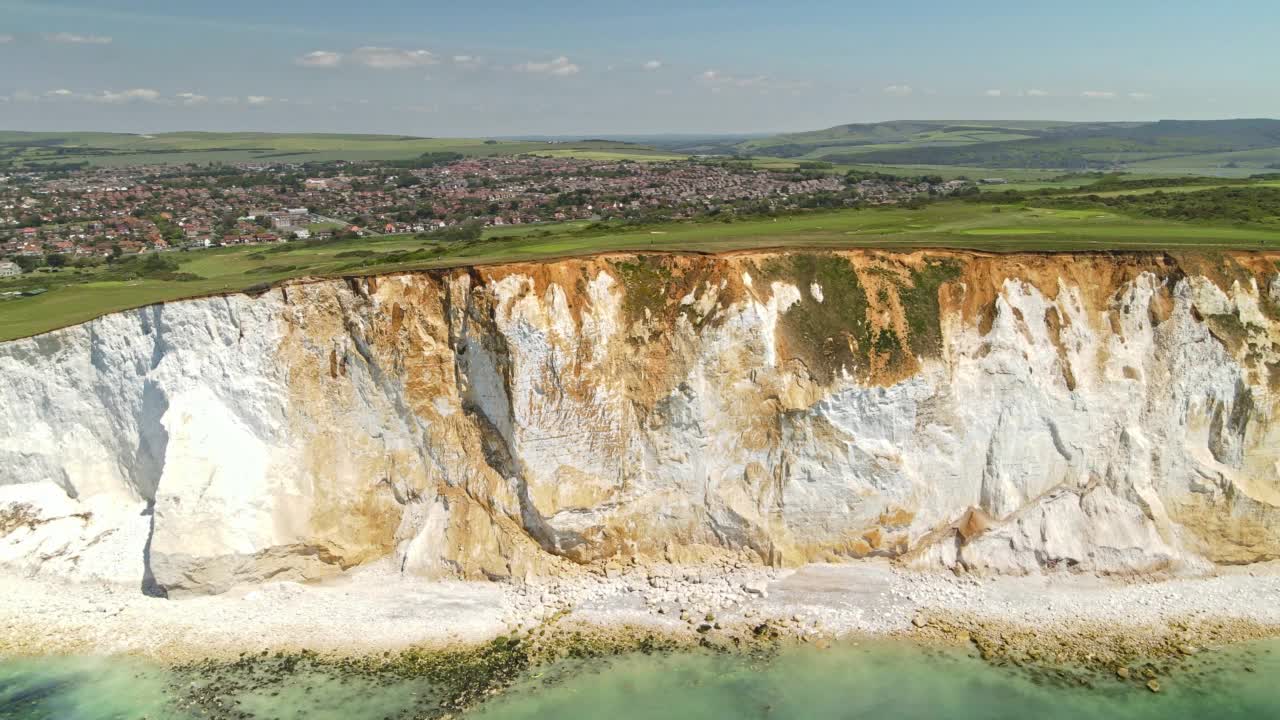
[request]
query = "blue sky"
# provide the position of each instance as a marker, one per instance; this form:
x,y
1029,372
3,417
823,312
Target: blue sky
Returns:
x,y
562,67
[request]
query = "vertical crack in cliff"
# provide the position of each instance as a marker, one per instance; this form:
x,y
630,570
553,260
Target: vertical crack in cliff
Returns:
x,y
153,441
392,388
484,376
150,586
147,467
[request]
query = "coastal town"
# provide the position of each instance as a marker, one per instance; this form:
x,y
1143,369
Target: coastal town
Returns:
x,y
96,214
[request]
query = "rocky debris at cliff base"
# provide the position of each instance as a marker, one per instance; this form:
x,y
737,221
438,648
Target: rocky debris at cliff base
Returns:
x,y
1091,645
1086,619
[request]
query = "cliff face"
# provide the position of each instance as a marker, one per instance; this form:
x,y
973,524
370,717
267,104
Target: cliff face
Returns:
x,y
992,413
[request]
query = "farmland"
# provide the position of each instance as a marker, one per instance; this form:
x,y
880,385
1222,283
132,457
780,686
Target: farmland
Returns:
x,y
1018,150
26,150
1226,148
880,136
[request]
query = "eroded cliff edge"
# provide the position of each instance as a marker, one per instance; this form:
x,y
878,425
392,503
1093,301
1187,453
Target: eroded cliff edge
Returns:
x,y
989,413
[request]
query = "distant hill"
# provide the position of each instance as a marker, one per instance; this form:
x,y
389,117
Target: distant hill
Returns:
x,y
1199,145
66,150
875,135
957,147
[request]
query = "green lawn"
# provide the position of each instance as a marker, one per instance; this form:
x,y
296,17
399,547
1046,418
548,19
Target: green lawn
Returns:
x,y
75,298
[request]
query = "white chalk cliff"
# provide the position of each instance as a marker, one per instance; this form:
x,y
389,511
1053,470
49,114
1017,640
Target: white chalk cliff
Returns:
x,y
1014,414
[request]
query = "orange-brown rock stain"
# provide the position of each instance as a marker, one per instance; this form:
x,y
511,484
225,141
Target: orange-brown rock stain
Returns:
x,y
348,509
1231,532
865,326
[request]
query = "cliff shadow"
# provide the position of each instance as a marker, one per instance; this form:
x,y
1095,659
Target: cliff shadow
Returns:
x,y
150,587
148,467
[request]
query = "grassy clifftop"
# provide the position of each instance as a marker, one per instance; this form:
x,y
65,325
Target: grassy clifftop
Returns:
x,y
74,296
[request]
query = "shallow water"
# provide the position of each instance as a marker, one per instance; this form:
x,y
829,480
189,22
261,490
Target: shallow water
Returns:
x,y
881,681
895,682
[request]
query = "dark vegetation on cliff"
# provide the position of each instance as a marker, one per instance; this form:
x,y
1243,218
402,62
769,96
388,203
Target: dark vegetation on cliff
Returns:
x,y
827,331
832,333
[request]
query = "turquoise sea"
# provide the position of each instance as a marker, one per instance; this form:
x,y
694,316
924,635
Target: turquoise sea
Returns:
x,y
883,681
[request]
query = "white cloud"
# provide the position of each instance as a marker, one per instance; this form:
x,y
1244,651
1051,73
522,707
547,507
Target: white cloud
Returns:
x,y
187,98
142,94
5,39
764,84
1038,93
993,93
60,92
652,65
382,58
898,90
110,97
67,38
560,67
320,58
1098,94
257,99
378,58
1141,96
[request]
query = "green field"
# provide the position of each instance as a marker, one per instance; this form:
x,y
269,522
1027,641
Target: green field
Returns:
x,y
633,154
1223,148
1198,187
952,172
19,149
1022,151
1242,163
907,133
74,298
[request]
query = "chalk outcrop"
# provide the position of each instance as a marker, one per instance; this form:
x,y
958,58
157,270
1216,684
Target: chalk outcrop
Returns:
x,y
1004,414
